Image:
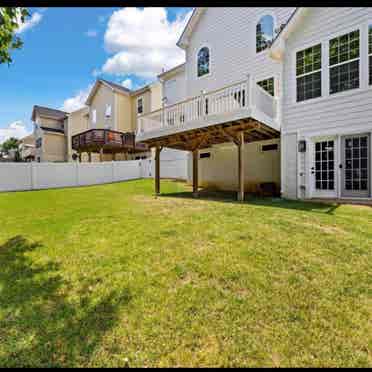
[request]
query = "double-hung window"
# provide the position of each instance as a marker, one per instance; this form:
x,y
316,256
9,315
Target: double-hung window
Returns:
x,y
140,106
309,73
344,62
268,85
108,111
370,53
94,116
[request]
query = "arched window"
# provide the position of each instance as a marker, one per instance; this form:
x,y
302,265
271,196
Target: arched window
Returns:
x,y
264,32
203,61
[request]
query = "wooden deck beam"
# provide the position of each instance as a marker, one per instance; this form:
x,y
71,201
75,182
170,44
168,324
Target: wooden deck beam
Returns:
x,y
241,166
195,173
157,170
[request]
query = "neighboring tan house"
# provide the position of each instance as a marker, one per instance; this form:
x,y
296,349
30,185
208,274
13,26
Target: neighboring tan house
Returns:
x,y
111,122
103,130
49,133
27,148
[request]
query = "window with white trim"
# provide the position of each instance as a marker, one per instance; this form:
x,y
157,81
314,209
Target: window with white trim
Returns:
x,y
94,116
344,62
264,33
370,53
309,73
203,61
108,111
268,85
140,106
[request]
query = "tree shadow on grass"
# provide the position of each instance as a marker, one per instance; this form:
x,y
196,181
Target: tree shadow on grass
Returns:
x,y
231,197
39,325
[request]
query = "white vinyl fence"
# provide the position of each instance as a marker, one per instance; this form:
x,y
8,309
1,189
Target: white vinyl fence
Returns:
x,y
35,176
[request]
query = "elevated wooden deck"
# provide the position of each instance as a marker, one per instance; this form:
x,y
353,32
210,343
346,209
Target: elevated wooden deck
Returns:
x,y
106,141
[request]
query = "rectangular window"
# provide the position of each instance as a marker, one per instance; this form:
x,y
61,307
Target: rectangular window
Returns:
x,y
344,62
140,106
370,53
205,155
268,85
308,73
108,111
271,147
94,116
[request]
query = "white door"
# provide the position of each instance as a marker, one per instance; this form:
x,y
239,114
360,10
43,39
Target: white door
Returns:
x,y
355,166
323,177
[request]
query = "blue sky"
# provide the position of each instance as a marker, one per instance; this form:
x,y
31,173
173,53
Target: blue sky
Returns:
x,y
65,50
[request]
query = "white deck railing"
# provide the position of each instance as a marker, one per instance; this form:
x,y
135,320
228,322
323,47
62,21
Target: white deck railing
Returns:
x,y
243,95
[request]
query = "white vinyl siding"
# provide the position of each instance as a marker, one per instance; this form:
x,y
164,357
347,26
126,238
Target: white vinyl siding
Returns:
x,y
370,53
289,165
175,88
230,32
339,110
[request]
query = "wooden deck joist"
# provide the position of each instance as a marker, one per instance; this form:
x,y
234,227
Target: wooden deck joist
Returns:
x,y
205,137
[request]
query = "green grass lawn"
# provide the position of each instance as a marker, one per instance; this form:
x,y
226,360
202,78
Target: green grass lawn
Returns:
x,y
110,276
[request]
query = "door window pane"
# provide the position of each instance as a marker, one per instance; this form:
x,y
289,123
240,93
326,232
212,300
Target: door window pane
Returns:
x,y
324,165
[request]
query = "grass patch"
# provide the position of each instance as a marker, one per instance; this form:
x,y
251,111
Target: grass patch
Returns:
x,y
111,276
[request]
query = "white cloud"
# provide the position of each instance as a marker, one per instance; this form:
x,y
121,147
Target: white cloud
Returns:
x,y
143,42
30,22
127,83
77,101
16,129
91,33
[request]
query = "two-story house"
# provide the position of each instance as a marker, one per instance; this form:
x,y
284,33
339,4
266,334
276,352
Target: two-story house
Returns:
x,y
222,104
291,88
327,103
27,148
49,133
103,130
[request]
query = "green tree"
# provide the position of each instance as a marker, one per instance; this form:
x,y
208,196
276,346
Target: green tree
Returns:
x,y
10,143
10,19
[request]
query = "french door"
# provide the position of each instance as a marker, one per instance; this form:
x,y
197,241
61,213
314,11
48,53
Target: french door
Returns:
x,y
356,168
323,168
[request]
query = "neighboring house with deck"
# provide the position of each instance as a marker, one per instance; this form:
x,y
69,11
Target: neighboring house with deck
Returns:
x,y
296,114
27,148
103,130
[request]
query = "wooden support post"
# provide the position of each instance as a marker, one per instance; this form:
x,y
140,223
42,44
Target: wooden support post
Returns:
x,y
195,181
241,166
157,170
89,157
113,156
101,155
79,157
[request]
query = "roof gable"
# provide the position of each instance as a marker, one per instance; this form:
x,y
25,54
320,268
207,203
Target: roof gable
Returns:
x,y
47,112
278,46
183,41
113,86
